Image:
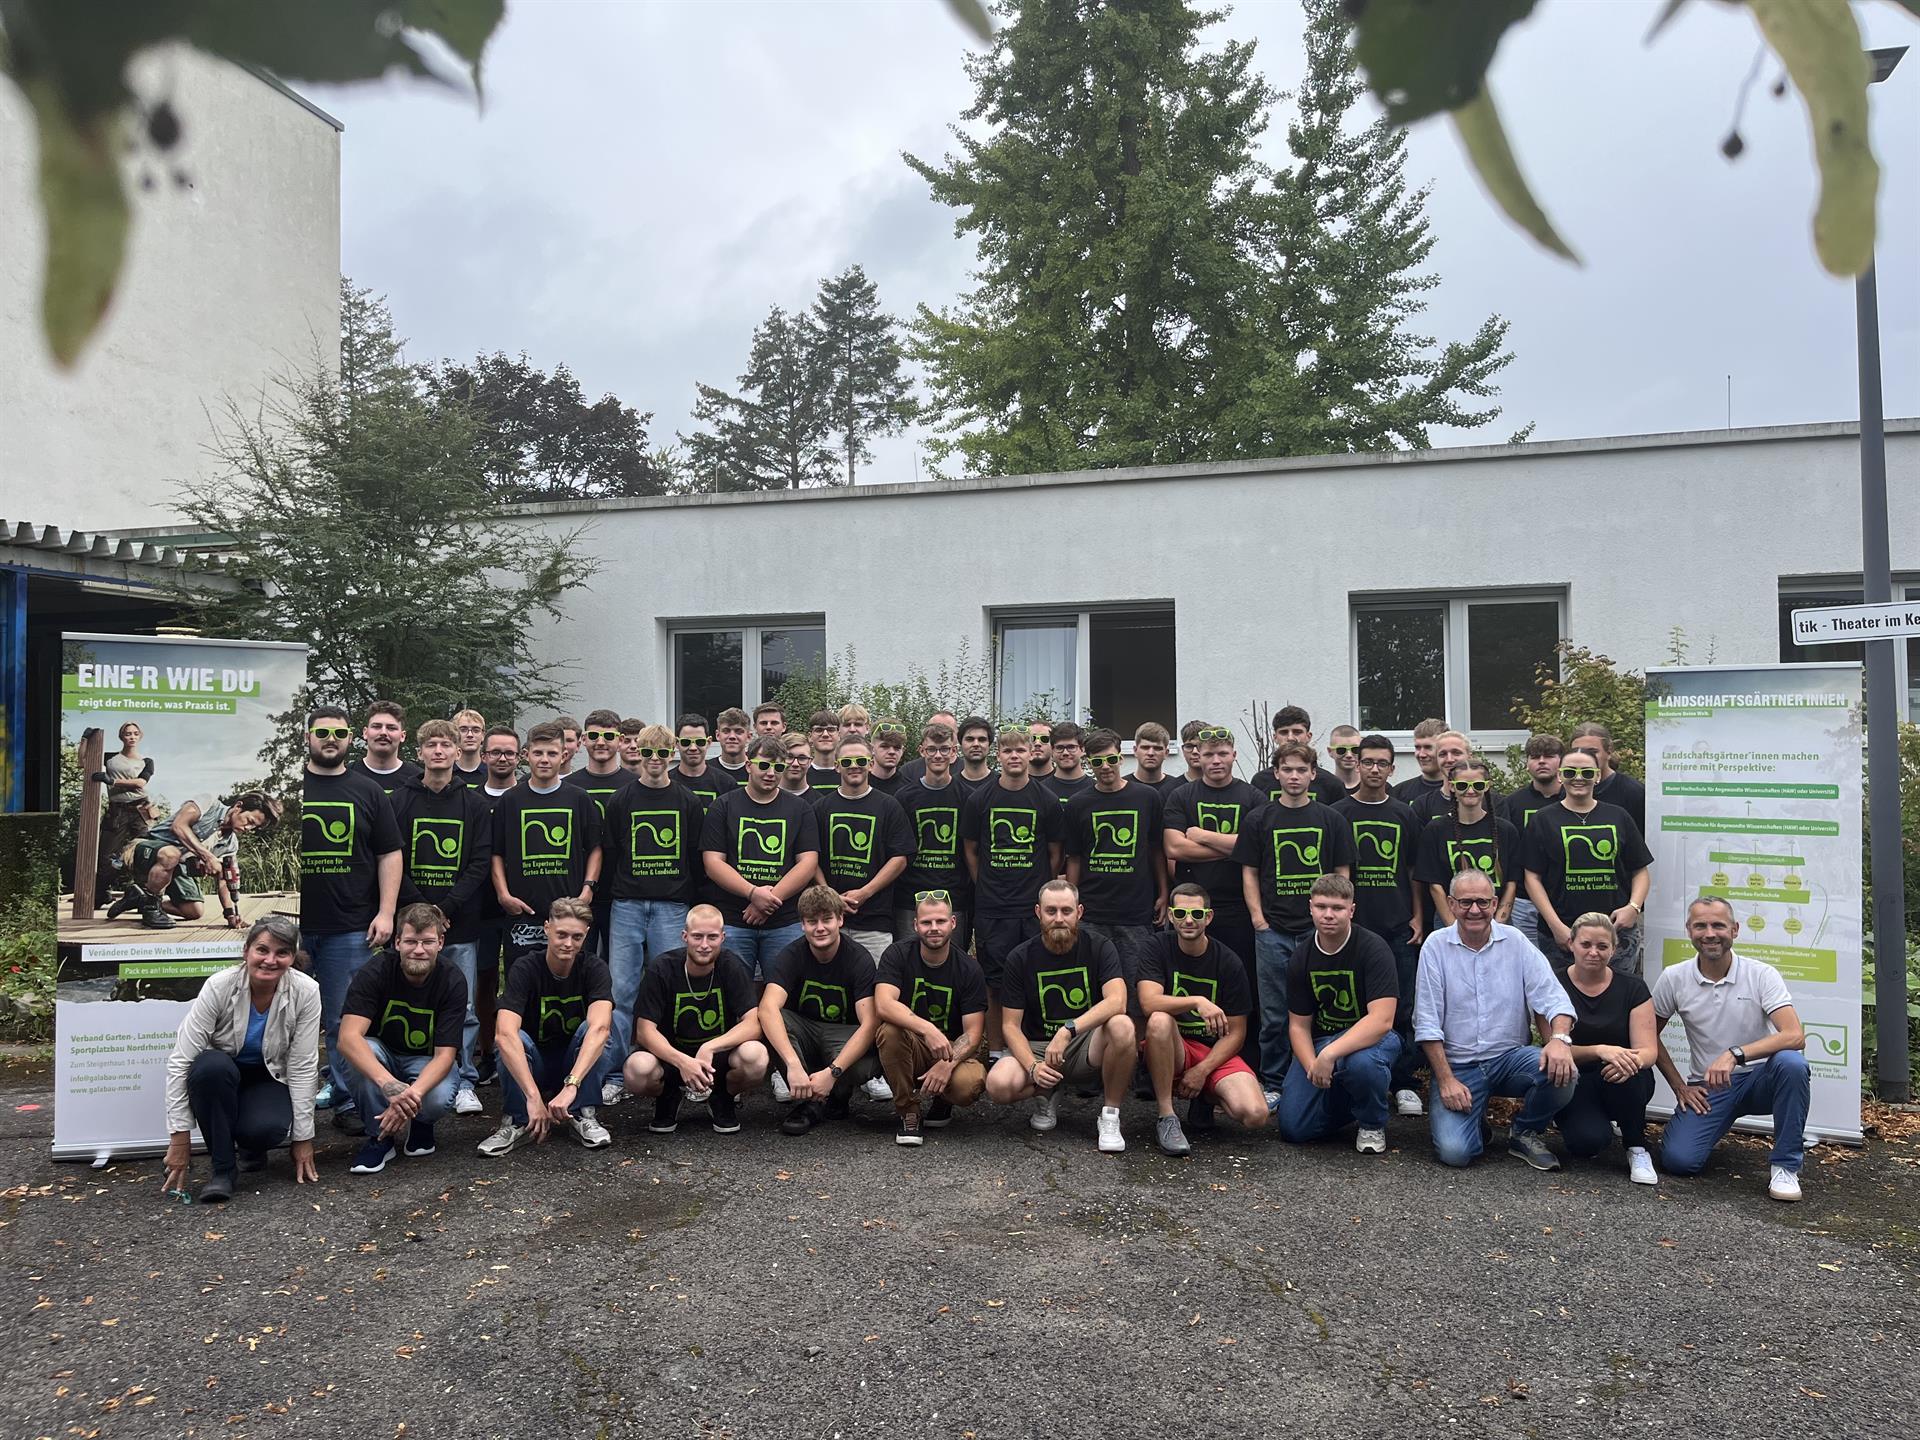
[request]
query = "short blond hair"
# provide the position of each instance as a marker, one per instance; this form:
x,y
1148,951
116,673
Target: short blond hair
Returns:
x,y
654,737
855,714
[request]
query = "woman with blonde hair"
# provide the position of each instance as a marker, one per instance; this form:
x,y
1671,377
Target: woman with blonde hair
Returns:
x,y
1614,1049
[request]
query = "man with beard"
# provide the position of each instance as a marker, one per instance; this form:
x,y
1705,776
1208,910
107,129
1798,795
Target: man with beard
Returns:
x,y
1065,993
696,1028
931,999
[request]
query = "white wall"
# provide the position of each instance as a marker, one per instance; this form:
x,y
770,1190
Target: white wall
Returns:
x,y
1691,530
229,282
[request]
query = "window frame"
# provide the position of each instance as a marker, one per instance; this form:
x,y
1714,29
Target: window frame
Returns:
x,y
751,628
1456,672
1081,618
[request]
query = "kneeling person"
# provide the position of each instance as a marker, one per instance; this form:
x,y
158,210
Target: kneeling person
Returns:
x,y
1342,990
555,1023
1047,996
1196,999
932,1002
696,1028
817,1012
400,1032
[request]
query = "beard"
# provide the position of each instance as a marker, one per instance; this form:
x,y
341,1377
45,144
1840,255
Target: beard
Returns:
x,y
1059,939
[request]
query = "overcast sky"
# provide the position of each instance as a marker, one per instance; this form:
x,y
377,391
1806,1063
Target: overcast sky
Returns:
x,y
647,180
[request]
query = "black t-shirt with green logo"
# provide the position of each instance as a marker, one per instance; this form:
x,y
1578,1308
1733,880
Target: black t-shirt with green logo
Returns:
x,y
1490,845
693,1009
1226,809
1585,862
1068,790
543,841
1218,974
1519,807
652,844
601,787
1013,829
933,817
1048,989
824,991
551,1007
762,842
447,840
710,784
408,1019
1116,835
943,994
858,837
1337,989
1289,848
1386,840
346,825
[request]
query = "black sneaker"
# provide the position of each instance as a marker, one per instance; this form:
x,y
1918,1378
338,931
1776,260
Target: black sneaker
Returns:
x,y
836,1107
939,1114
485,1071
907,1131
666,1111
217,1190
722,1108
348,1122
131,898
419,1138
251,1160
802,1118
1199,1114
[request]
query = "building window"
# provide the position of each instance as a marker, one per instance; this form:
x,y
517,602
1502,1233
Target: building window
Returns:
x,y
741,665
1813,594
1467,659
1113,663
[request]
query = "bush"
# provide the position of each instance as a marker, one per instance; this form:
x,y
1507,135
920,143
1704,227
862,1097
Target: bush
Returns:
x,y
963,685
1869,1016
29,959
1584,687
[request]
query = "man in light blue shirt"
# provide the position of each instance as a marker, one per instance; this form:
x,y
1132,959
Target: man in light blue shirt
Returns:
x,y
1480,990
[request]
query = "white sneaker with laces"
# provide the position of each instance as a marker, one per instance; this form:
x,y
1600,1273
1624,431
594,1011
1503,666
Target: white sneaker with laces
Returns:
x,y
1640,1167
1046,1110
1784,1185
502,1140
781,1093
1370,1142
1112,1142
877,1089
466,1102
613,1090
1407,1102
588,1130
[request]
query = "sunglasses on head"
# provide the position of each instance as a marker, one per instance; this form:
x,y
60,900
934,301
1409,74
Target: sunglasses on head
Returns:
x,y
1469,787
1188,912
1580,772
1215,732
763,765
330,732
601,734
898,730
693,742
920,897
854,762
650,752
1103,762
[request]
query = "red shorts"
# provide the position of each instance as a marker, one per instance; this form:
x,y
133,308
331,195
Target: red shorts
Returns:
x,y
1196,1051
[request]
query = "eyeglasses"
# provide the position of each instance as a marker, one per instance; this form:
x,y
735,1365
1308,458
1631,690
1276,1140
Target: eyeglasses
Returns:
x,y
601,734
693,742
825,729
1579,772
1187,912
1103,762
854,762
936,750
330,732
1474,902
1343,749
1469,787
1215,732
650,752
1377,764
501,754
920,897
763,765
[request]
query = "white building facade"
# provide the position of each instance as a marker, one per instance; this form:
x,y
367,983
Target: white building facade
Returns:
x,y
1371,589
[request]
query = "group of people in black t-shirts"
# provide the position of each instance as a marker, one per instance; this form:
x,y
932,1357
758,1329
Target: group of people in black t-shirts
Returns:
x,y
697,911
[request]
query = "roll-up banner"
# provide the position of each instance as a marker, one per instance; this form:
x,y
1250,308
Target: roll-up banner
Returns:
x,y
162,746
1753,793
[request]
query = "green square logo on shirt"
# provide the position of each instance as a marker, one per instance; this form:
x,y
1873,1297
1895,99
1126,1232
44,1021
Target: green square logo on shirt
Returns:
x,y
825,1001
1221,817
937,829
1185,984
1333,993
560,1016
933,1003
1591,853
1296,858
654,835
1479,853
1011,833
405,1027
435,847
696,1012
1064,994
326,829
761,842
849,842
1376,851
546,834
1116,836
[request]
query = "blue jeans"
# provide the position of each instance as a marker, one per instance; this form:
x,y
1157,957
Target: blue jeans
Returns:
x,y
1406,964
1525,919
1273,952
337,958
1358,1095
638,931
550,1067
373,1104
758,944
1780,1088
465,958
1515,1073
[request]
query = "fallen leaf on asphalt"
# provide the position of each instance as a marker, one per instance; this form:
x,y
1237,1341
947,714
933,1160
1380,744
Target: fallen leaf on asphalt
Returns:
x,y
783,1174
995,1304
1825,1266
1812,1394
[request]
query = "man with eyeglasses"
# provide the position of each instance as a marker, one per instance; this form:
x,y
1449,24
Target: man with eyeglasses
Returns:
x,y
865,845
1150,759
1584,855
652,873
1543,754
1428,777
350,871
1283,849
889,745
1112,838
1069,777
933,804
823,733
1202,825
471,728
799,772
1292,725
930,997
760,847
693,772
1195,996
916,767
1386,839
1011,834
1481,985
1190,750
732,729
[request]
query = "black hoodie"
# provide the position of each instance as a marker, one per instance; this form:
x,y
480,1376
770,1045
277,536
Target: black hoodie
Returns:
x,y
446,840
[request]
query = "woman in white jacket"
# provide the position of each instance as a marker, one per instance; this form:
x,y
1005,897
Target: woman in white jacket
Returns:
x,y
245,1064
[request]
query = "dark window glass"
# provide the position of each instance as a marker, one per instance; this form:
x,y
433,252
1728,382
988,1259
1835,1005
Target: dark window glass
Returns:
x,y
1130,669
1792,654
1506,646
706,672
1402,666
784,651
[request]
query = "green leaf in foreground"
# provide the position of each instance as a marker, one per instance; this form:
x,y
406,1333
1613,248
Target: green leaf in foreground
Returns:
x,y
1421,58
973,15
86,215
1485,140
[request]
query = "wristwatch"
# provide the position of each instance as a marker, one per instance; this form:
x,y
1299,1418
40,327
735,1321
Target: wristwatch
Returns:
x,y
835,1071
1561,1035
572,1082
1071,1028
1739,1055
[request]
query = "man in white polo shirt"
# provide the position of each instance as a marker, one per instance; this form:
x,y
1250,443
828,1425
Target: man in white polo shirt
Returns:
x,y
1746,1045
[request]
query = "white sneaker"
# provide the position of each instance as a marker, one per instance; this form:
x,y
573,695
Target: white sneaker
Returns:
x,y
1046,1110
613,1090
588,1130
877,1089
1640,1167
1370,1142
1407,1102
466,1102
781,1093
1112,1142
502,1140
1785,1184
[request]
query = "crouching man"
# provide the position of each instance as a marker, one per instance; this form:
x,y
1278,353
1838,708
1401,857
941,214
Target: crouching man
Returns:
x,y
932,1002
696,1030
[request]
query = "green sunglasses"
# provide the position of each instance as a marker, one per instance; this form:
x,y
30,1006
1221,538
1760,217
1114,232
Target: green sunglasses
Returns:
x,y
330,732
1214,732
774,765
693,742
601,734
1343,749
649,752
1187,912
854,762
1103,762
1469,787
1580,772
920,897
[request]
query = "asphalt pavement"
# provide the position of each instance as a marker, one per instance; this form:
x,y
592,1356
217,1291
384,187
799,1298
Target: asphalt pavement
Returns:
x,y
993,1283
